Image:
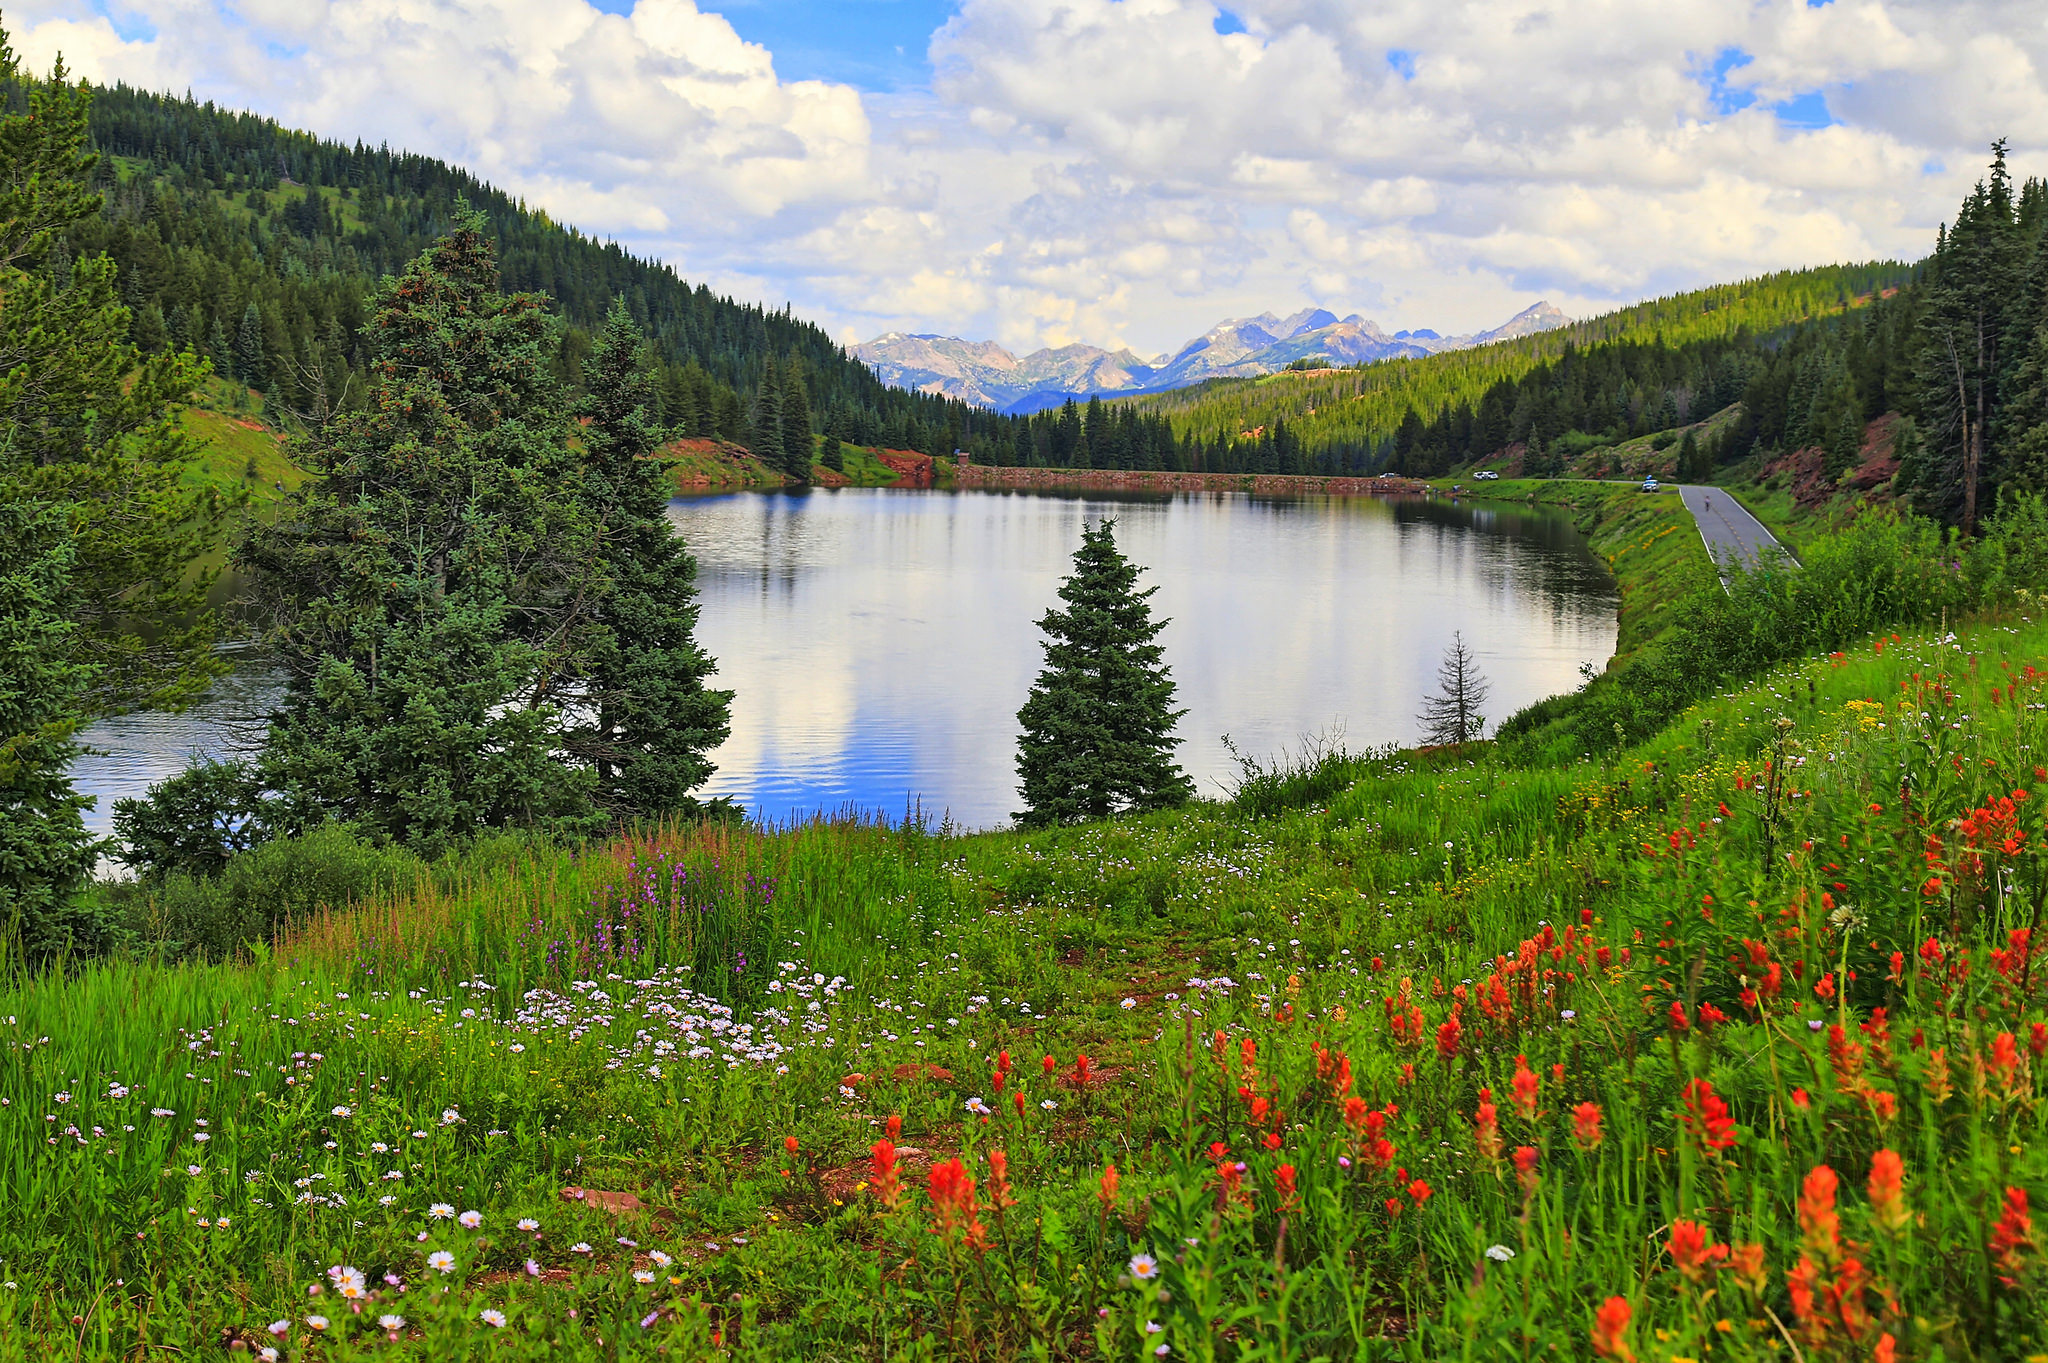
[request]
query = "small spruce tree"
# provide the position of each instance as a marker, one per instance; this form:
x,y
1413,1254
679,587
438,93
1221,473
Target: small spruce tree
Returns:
x,y
1098,726
1453,715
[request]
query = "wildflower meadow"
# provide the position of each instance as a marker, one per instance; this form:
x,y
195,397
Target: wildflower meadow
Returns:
x,y
1730,1045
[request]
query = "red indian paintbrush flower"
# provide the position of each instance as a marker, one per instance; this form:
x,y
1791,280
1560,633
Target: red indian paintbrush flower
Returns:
x,y
1586,1133
999,1195
1693,1250
954,1209
1706,1117
1887,1189
1799,1284
1107,1190
1525,1084
2013,1233
883,1164
1525,1169
1283,1183
1486,1126
1819,1222
1610,1330
1746,1262
1846,1056
1420,1191
1447,1038
2005,1061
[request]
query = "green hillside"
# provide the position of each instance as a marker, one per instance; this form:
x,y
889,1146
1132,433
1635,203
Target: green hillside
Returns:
x,y
1349,418
257,245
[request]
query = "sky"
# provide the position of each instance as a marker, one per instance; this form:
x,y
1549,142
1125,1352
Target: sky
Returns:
x,y
1130,172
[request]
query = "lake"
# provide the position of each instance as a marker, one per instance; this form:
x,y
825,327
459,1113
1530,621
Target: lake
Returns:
x,y
880,641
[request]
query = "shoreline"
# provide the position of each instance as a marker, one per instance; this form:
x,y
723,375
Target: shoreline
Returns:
x,y
1164,480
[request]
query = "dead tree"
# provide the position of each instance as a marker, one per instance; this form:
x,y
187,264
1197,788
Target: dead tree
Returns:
x,y
1453,715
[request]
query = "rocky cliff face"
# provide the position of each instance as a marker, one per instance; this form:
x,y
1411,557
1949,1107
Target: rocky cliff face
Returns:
x,y
983,372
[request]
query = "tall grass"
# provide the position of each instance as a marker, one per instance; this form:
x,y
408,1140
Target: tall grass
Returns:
x,y
1320,1026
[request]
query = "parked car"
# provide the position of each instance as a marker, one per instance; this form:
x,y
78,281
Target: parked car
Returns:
x,y
1485,475
1650,484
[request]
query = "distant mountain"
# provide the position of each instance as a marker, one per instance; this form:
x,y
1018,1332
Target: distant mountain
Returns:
x,y
984,373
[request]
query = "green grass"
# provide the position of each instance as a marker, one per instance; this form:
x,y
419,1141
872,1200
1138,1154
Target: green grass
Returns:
x,y
863,468
345,207
233,444
1558,912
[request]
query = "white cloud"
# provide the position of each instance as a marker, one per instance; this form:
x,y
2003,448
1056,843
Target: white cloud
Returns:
x,y
1117,170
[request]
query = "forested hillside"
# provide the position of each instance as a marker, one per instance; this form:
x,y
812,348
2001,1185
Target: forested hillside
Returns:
x,y
1814,384
258,246
1349,419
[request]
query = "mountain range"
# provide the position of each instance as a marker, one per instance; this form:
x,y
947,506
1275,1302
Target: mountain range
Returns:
x,y
983,373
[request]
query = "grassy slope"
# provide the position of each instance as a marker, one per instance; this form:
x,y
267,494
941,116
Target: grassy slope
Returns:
x,y
1437,867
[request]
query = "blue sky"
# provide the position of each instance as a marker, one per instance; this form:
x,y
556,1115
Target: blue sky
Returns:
x,y
874,45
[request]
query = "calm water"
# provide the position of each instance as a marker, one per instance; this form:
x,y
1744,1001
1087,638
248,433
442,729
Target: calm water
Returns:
x,y
881,641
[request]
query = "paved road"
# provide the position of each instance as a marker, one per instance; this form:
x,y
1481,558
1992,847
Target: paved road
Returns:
x,y
1731,533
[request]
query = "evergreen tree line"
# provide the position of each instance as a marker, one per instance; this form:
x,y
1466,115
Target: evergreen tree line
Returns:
x,y
256,246
1102,434
1347,420
1814,383
1962,352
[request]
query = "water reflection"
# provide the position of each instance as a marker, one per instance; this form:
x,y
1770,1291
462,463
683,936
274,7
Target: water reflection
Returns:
x,y
881,641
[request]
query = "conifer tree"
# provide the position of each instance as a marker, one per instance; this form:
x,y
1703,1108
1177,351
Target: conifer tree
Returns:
x,y
250,367
421,592
45,852
1978,270
100,609
763,430
1453,714
642,717
1098,726
796,423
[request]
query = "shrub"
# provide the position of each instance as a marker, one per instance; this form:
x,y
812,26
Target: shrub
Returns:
x,y
269,887
195,822
1318,770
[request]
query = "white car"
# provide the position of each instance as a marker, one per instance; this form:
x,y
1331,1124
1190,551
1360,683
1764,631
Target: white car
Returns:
x,y
1650,484
1485,476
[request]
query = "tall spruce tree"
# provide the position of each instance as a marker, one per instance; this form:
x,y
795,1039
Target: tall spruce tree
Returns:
x,y
1977,271
424,591
1098,725
641,716
101,608
45,852
251,367
90,426
796,423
